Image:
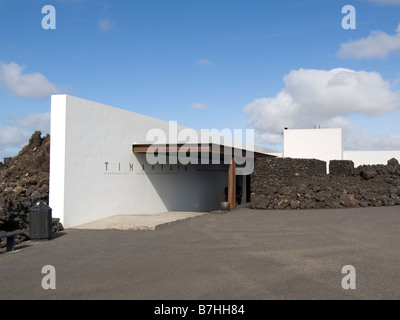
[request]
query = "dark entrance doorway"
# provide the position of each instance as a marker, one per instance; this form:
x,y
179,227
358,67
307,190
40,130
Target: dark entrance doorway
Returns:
x,y
248,191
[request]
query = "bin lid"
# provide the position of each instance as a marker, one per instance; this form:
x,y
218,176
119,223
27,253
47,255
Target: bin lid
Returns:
x,y
39,205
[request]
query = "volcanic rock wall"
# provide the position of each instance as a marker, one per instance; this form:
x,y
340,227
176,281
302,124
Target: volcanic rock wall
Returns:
x,y
278,183
341,168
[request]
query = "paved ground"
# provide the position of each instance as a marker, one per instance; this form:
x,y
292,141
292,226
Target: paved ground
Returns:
x,y
139,222
243,254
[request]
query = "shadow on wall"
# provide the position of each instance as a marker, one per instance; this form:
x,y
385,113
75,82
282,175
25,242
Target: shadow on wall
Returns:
x,y
191,187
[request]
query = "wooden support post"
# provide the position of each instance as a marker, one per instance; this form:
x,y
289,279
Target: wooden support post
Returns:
x,y
232,184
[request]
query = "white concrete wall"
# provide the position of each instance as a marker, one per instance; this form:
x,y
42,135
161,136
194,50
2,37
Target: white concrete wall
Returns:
x,y
57,155
322,144
371,156
94,173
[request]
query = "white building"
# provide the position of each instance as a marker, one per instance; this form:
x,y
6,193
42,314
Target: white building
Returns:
x,y
99,165
322,144
371,156
106,161
327,144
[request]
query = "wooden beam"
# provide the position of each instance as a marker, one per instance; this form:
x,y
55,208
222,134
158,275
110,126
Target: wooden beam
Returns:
x,y
140,149
232,183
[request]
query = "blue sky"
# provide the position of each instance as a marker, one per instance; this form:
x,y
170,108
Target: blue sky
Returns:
x,y
207,64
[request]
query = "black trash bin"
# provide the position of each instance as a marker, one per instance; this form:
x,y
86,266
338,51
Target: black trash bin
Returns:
x,y
40,221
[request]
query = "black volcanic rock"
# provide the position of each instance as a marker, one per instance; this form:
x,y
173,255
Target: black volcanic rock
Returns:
x,y
24,179
278,183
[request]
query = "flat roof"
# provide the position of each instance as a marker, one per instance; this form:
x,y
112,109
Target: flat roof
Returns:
x,y
141,148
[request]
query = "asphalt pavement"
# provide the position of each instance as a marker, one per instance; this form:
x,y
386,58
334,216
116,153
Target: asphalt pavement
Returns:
x,y
243,254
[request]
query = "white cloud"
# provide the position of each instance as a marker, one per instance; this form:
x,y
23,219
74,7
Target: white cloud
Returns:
x,y
198,106
40,122
320,97
30,85
204,62
377,45
11,137
105,24
358,139
16,132
387,142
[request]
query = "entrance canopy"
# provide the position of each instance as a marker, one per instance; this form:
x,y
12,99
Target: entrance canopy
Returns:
x,y
227,154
